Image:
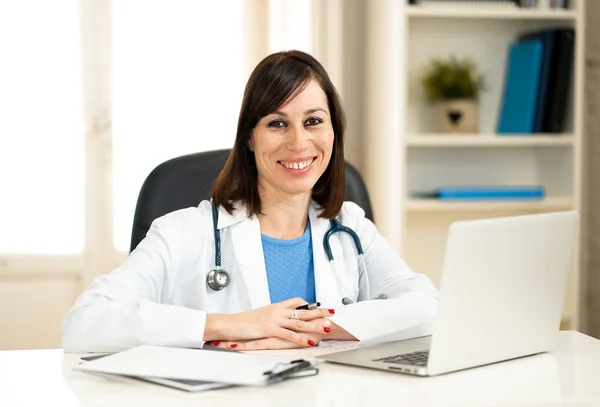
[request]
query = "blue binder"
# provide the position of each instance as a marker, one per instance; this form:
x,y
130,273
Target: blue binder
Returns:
x,y
547,73
492,192
484,192
521,87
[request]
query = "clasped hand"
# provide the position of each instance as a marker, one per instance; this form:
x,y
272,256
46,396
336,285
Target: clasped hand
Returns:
x,y
272,327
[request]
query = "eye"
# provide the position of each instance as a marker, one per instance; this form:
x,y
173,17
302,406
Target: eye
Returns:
x,y
277,124
313,121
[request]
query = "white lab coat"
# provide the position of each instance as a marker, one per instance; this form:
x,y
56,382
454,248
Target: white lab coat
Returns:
x,y
159,296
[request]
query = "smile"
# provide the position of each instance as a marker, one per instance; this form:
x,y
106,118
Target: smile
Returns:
x,y
296,165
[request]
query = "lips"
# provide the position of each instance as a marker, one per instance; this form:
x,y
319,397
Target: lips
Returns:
x,y
297,165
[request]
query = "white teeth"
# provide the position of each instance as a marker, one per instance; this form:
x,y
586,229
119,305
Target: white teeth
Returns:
x,y
297,166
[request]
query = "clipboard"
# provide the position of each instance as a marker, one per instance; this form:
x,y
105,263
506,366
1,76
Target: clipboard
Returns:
x,y
194,386
199,369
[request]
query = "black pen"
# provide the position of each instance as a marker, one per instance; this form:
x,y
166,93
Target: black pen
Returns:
x,y
314,305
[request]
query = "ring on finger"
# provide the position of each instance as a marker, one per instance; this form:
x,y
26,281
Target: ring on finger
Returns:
x,y
295,315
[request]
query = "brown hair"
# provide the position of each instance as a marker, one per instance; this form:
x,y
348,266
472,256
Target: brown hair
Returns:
x,y
275,80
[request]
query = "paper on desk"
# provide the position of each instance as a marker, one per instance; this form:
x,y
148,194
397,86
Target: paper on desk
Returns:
x,y
379,321
188,364
374,322
323,348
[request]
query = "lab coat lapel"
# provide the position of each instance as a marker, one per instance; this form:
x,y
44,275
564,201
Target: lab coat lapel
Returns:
x,y
327,291
247,246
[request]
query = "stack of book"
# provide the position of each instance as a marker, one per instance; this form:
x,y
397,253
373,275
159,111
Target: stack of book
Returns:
x,y
510,3
537,82
485,193
503,3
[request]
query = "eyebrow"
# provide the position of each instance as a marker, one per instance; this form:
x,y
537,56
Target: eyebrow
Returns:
x,y
309,111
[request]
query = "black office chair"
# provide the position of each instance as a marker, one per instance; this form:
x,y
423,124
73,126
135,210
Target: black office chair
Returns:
x,y
187,180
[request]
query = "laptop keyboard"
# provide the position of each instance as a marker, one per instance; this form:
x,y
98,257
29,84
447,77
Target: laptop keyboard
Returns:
x,y
418,358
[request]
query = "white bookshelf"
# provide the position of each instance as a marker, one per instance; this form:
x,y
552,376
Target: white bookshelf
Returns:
x,y
487,140
407,152
435,205
460,11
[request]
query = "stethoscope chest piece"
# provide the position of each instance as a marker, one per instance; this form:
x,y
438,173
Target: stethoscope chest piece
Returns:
x,y
217,279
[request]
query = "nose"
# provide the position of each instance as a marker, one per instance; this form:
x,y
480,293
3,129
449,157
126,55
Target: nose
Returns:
x,y
299,139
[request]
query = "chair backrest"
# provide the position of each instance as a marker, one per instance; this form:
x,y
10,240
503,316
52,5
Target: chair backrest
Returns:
x,y
185,181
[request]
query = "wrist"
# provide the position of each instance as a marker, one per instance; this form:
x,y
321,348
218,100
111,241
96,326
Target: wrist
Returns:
x,y
215,327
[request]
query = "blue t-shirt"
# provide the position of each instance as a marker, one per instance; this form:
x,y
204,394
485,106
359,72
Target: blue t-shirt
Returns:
x,y
290,268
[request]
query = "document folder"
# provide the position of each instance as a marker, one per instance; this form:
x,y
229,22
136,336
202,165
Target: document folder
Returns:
x,y
163,364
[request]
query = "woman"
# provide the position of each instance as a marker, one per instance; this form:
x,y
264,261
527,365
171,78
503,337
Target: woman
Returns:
x,y
283,182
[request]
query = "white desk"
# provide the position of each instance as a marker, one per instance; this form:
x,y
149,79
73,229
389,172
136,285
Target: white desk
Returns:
x,y
568,376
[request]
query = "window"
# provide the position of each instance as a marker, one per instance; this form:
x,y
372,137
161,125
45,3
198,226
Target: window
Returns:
x,y
290,25
177,70
41,132
178,77
94,95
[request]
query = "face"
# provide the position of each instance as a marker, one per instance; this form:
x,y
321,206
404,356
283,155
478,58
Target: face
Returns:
x,y
293,145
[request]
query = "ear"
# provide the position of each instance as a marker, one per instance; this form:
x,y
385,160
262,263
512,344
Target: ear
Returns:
x,y
251,142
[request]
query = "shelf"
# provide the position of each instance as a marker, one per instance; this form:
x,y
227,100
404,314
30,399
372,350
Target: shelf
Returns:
x,y
487,140
435,205
457,11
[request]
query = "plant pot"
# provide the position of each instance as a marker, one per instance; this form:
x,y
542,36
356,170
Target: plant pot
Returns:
x,y
458,116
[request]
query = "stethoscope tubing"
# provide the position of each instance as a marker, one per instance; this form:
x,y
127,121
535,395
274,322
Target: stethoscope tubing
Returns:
x,y
215,218
335,227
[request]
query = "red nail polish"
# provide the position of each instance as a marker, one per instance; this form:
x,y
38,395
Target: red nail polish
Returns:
x,y
327,330
234,345
311,343
215,343
332,311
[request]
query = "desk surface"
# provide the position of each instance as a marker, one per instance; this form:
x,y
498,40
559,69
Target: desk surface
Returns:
x,y
567,376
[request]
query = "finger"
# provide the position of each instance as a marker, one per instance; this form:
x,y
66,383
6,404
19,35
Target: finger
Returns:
x,y
308,315
226,344
292,302
322,327
267,343
294,337
261,344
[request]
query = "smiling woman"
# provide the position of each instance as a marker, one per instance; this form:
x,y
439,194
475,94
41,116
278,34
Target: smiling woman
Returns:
x,y
272,205
293,145
291,114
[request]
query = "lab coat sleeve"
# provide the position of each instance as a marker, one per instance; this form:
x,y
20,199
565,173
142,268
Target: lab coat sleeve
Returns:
x,y
123,309
412,300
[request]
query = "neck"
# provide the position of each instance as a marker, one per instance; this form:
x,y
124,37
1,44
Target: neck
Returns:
x,y
283,217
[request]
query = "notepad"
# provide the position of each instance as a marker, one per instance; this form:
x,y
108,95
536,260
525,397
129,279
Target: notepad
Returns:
x,y
157,363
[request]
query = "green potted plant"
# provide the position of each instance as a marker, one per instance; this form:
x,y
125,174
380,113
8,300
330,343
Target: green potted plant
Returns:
x,y
454,85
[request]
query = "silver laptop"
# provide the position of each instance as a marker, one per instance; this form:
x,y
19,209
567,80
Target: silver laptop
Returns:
x,y
501,297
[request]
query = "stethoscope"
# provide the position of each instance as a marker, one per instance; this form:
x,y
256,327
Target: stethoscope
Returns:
x,y
218,278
